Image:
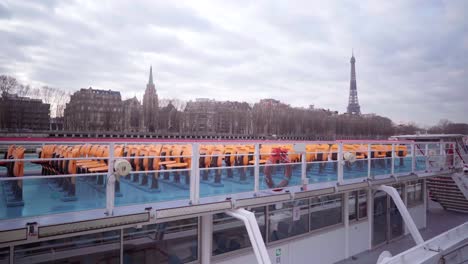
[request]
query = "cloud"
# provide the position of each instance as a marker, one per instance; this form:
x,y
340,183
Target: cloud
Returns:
x,y
411,63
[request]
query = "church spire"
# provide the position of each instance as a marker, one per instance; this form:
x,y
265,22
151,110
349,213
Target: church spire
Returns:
x,y
151,75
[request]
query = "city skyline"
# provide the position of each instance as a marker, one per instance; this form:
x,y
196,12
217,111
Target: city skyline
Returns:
x,y
255,51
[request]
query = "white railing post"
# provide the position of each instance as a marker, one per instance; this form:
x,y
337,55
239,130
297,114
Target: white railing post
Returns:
x,y
413,158
206,239
369,160
257,168
304,179
110,185
426,154
340,163
393,159
346,221
454,153
195,175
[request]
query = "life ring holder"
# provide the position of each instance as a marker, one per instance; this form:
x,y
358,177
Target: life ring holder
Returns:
x,y
278,156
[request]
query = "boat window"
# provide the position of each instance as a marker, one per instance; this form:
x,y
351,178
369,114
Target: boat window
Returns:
x,y
169,242
326,211
4,255
230,234
415,193
288,219
103,247
352,206
362,207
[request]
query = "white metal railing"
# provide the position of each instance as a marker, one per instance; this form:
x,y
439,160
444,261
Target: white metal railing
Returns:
x,y
433,250
336,162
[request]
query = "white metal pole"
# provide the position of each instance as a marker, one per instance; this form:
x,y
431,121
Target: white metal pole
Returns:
x,y
304,179
195,175
346,222
369,160
370,216
257,168
110,186
413,158
426,154
206,232
340,163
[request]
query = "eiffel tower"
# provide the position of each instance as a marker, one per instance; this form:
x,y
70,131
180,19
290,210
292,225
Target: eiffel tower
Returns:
x,y
353,103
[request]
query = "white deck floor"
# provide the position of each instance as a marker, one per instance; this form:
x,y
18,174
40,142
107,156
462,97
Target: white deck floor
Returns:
x,y
438,221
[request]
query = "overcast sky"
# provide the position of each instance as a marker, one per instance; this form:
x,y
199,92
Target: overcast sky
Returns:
x,y
411,56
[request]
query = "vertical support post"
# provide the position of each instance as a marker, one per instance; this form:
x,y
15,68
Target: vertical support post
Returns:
x,y
426,155
206,234
346,222
393,159
257,168
340,163
454,152
195,175
110,185
426,204
370,215
369,160
12,248
304,179
121,246
413,158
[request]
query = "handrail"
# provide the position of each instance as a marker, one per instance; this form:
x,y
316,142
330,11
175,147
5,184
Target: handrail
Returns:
x,y
255,236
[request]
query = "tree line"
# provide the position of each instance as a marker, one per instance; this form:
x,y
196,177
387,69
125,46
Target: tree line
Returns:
x,y
282,119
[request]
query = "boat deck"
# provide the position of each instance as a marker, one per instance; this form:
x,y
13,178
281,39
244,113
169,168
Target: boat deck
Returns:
x,y
438,221
43,197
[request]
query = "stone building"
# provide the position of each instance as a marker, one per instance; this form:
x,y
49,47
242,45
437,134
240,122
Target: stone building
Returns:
x,y
23,113
169,119
150,105
94,110
132,115
210,116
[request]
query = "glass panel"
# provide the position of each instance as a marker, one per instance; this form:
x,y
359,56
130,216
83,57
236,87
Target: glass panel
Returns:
x,y
101,248
279,175
420,152
170,242
321,162
352,205
159,173
288,219
230,234
226,169
322,171
396,221
32,197
381,160
380,218
4,255
415,194
25,197
355,161
325,211
280,166
403,159
362,204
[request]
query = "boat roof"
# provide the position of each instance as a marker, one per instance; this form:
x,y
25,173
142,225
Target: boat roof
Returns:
x,y
428,136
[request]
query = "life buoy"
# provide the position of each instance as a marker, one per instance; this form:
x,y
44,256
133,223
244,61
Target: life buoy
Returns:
x,y
278,155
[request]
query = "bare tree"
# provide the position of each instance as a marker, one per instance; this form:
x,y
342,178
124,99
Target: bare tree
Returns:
x,y
8,84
